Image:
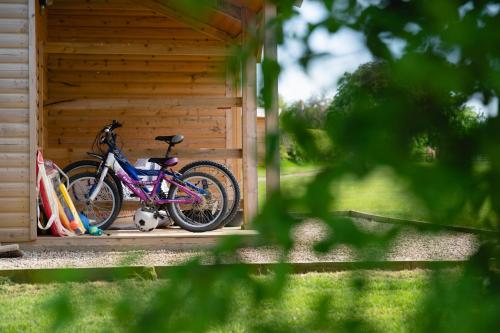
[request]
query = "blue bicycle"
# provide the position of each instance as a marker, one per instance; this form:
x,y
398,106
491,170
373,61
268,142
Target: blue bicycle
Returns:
x,y
196,201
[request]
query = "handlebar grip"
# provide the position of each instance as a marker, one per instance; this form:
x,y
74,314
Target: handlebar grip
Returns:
x,y
115,125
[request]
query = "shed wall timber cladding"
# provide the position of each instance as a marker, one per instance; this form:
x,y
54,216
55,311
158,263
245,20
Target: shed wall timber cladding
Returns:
x,y
14,121
129,77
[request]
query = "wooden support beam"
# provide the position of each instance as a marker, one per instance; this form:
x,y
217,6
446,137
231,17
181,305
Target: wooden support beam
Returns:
x,y
236,124
261,30
250,5
272,110
228,9
230,114
166,8
33,123
143,103
173,48
200,153
249,122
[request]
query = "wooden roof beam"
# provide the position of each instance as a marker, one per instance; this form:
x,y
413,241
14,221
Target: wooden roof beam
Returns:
x,y
165,7
249,4
179,48
228,9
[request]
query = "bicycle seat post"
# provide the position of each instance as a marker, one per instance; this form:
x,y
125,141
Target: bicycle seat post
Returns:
x,y
169,149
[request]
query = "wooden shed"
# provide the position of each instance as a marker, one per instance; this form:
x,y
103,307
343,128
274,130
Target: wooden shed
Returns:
x,y
68,67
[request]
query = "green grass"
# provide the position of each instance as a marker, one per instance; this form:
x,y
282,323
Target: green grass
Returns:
x,y
389,302
381,193
289,168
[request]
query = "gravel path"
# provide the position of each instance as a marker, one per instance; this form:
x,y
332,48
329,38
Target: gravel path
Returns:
x,y
408,245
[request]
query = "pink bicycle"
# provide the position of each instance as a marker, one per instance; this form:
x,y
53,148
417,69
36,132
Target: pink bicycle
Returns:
x,y
196,201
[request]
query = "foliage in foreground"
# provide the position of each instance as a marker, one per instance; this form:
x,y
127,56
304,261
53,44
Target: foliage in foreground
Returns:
x,y
450,48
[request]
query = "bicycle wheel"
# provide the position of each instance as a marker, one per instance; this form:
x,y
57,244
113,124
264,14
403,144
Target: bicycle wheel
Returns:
x,y
203,216
101,212
228,180
92,166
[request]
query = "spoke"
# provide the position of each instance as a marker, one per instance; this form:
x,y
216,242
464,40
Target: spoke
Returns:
x,y
201,217
102,214
209,218
98,203
206,219
193,217
94,214
97,211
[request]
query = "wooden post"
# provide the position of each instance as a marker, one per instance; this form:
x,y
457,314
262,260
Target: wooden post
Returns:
x,y
230,92
33,124
249,121
272,110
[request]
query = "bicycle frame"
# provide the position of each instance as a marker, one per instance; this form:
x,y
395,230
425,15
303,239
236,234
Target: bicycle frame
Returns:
x,y
128,175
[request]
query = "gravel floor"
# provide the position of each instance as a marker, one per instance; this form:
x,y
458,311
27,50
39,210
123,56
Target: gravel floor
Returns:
x,y
408,245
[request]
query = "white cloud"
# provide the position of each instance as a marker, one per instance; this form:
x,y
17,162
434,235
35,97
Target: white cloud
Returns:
x,y
345,49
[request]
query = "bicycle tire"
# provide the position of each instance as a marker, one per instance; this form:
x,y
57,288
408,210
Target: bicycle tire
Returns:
x,y
72,168
173,212
108,182
232,209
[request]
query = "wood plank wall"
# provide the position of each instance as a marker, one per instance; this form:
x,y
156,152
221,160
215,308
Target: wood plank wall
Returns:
x,y
14,121
128,76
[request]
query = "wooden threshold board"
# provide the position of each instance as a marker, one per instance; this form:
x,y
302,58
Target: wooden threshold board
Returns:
x,y
171,238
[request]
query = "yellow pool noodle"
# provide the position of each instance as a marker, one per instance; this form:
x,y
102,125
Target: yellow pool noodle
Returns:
x,y
62,214
71,206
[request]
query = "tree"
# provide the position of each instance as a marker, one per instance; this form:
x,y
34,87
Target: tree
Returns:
x,y
371,86
366,83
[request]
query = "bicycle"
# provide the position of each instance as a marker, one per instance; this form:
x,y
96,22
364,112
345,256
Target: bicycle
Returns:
x,y
222,173
196,201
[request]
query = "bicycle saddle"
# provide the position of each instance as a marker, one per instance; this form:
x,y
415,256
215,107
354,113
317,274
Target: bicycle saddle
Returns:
x,y
163,161
171,139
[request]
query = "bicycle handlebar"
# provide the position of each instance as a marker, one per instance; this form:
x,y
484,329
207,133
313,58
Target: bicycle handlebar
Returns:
x,y
107,135
115,125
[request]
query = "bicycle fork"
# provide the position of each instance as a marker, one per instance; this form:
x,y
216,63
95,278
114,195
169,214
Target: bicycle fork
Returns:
x,y
110,163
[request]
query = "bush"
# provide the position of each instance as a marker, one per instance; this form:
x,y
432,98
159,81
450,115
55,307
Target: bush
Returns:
x,y
311,115
292,150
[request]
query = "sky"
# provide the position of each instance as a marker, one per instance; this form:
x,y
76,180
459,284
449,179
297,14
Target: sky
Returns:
x,y
346,51
345,47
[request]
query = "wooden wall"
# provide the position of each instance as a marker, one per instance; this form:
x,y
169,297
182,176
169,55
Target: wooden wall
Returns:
x,y
136,89
82,63
15,173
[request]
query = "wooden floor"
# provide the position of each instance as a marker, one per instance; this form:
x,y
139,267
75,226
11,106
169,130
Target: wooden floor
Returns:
x,y
171,238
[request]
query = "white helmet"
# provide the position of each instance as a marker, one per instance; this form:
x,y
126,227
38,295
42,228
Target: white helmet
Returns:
x,y
145,220
163,219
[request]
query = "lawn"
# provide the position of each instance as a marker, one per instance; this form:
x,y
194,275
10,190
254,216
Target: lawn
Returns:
x,y
381,193
389,302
